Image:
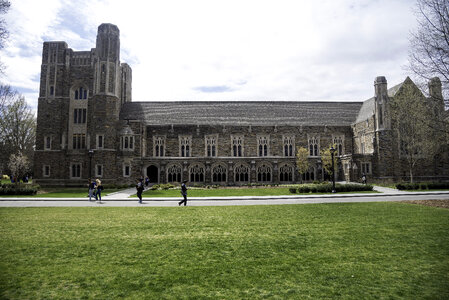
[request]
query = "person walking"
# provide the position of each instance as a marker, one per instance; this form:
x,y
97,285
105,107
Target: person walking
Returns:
x,y
183,193
139,187
364,178
147,181
92,185
98,190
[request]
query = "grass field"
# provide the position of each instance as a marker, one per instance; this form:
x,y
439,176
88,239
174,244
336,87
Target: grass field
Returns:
x,y
355,251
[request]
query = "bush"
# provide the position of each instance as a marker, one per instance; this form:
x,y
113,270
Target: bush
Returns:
x,y
422,186
327,188
18,189
292,190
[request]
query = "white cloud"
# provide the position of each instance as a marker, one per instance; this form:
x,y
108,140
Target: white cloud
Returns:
x,y
259,50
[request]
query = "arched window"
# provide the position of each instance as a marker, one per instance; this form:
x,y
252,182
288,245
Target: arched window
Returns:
x,y
174,173
286,173
80,93
264,173
197,173
309,175
219,173
241,173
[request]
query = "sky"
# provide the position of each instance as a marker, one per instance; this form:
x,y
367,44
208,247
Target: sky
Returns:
x,y
224,50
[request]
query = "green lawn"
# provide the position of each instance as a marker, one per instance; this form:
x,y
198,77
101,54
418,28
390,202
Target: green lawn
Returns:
x,y
346,251
227,192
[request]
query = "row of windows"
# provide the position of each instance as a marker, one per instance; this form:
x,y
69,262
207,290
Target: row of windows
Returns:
x,y
237,146
219,172
197,172
127,143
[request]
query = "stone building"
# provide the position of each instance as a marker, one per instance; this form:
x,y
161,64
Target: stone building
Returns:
x,y
88,126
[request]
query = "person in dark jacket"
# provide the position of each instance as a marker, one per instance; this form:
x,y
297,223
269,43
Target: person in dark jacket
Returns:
x,y
139,187
183,193
92,185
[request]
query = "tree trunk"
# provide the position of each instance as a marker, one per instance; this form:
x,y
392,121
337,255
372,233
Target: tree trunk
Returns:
x,y
411,175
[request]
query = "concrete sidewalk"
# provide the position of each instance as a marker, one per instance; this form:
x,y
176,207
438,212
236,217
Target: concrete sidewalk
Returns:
x,y
225,201
123,196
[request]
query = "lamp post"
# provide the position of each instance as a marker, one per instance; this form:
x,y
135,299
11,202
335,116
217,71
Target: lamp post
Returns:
x,y
91,153
332,150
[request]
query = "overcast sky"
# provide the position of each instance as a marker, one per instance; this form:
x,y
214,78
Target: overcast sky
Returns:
x,y
224,49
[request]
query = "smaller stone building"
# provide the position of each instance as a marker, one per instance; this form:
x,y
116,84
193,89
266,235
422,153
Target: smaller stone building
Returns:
x,y
89,127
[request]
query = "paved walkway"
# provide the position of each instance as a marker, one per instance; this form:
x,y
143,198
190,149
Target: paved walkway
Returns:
x,y
121,199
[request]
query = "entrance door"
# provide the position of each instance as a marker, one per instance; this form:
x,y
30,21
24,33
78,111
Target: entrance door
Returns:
x,y
152,173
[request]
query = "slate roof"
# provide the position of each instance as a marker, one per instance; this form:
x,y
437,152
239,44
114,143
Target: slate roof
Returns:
x,y
393,90
243,113
366,111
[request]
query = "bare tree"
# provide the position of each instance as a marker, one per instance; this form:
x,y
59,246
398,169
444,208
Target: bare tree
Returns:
x,y
429,52
17,126
302,161
4,7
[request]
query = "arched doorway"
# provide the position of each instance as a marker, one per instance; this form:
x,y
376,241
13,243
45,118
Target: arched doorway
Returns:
x,y
153,174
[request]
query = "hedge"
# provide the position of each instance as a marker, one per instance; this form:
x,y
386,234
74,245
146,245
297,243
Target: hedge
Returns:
x,y
422,186
327,188
18,189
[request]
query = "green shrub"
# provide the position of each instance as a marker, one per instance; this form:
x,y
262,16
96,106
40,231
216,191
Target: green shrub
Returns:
x,y
18,189
292,190
422,186
327,188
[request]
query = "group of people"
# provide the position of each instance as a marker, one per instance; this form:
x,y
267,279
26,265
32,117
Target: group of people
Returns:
x,y
95,189
140,188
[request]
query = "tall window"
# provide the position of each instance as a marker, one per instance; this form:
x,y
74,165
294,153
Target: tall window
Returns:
x,y
76,170
314,146
127,142
158,146
338,141
52,90
286,173
262,142
366,167
288,145
237,146
241,173
185,143
79,141
196,173
99,170
263,173
126,170
211,146
47,143
46,171
174,173
80,94
100,141
219,173
362,143
79,115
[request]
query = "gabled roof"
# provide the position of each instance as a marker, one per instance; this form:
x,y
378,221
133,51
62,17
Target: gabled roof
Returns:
x,y
366,111
393,90
243,113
